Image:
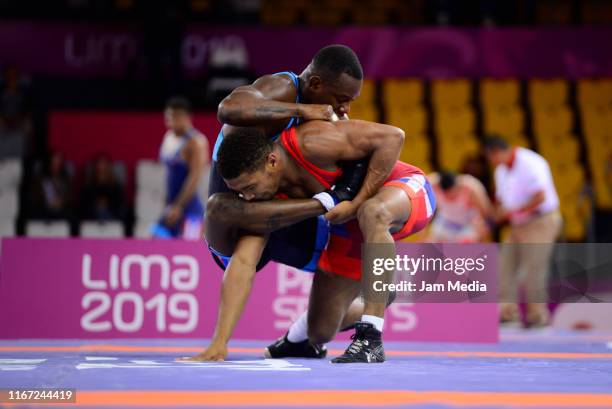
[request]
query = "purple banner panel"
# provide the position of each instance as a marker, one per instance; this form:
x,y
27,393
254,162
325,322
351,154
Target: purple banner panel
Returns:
x,y
111,50
101,289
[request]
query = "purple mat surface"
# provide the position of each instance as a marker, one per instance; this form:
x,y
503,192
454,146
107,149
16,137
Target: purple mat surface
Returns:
x,y
523,362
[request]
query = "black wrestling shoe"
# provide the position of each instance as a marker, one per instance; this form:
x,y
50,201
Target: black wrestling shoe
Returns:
x,y
367,346
283,348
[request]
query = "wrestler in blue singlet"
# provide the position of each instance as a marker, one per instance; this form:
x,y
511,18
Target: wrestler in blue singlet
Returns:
x,y
299,245
177,171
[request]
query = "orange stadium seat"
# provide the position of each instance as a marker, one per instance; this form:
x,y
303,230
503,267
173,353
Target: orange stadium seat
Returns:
x,y
595,92
417,151
452,151
503,120
412,120
364,111
551,121
402,93
455,92
454,120
496,93
546,93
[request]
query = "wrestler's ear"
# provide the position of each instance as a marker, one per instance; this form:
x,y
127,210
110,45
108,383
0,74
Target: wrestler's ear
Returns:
x,y
272,160
315,83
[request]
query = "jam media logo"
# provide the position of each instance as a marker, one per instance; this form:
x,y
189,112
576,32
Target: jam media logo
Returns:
x,y
174,309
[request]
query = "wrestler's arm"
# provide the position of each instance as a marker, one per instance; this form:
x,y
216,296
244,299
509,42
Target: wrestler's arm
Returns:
x,y
270,98
261,217
235,291
352,140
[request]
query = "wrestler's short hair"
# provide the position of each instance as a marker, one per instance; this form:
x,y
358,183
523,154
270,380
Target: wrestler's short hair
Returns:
x,y
243,150
334,60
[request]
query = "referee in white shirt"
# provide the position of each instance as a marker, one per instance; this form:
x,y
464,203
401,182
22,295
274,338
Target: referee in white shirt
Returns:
x,y
527,198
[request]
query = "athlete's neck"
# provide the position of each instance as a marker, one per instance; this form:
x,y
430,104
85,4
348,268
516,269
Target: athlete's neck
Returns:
x,y
290,171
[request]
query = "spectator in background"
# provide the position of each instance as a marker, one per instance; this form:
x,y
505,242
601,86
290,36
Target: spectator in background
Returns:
x,y
463,209
527,198
102,196
51,190
15,119
184,151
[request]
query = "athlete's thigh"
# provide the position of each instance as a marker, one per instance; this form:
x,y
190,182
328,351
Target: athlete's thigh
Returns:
x,y
397,202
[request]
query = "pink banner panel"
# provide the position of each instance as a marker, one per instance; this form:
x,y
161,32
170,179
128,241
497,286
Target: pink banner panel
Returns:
x,y
90,50
102,289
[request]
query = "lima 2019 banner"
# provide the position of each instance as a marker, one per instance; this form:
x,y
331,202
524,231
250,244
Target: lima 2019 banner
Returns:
x,y
75,288
88,50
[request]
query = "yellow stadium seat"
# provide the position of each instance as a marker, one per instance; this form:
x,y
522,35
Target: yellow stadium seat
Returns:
x,y
548,93
595,92
559,146
368,92
517,140
455,92
412,120
603,194
452,152
497,93
552,121
402,93
454,120
416,147
503,120
366,112
596,120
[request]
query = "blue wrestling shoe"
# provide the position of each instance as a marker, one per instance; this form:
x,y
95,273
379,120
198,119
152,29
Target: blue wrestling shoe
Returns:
x,y
283,348
367,346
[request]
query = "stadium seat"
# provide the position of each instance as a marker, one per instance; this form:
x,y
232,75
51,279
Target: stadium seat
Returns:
x,y
547,93
401,94
364,111
499,93
595,93
452,152
411,120
95,229
416,150
368,92
503,120
455,92
454,120
551,121
39,228
596,120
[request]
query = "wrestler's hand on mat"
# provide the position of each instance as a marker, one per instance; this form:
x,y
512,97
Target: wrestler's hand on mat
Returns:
x,y
316,111
342,212
173,215
214,352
